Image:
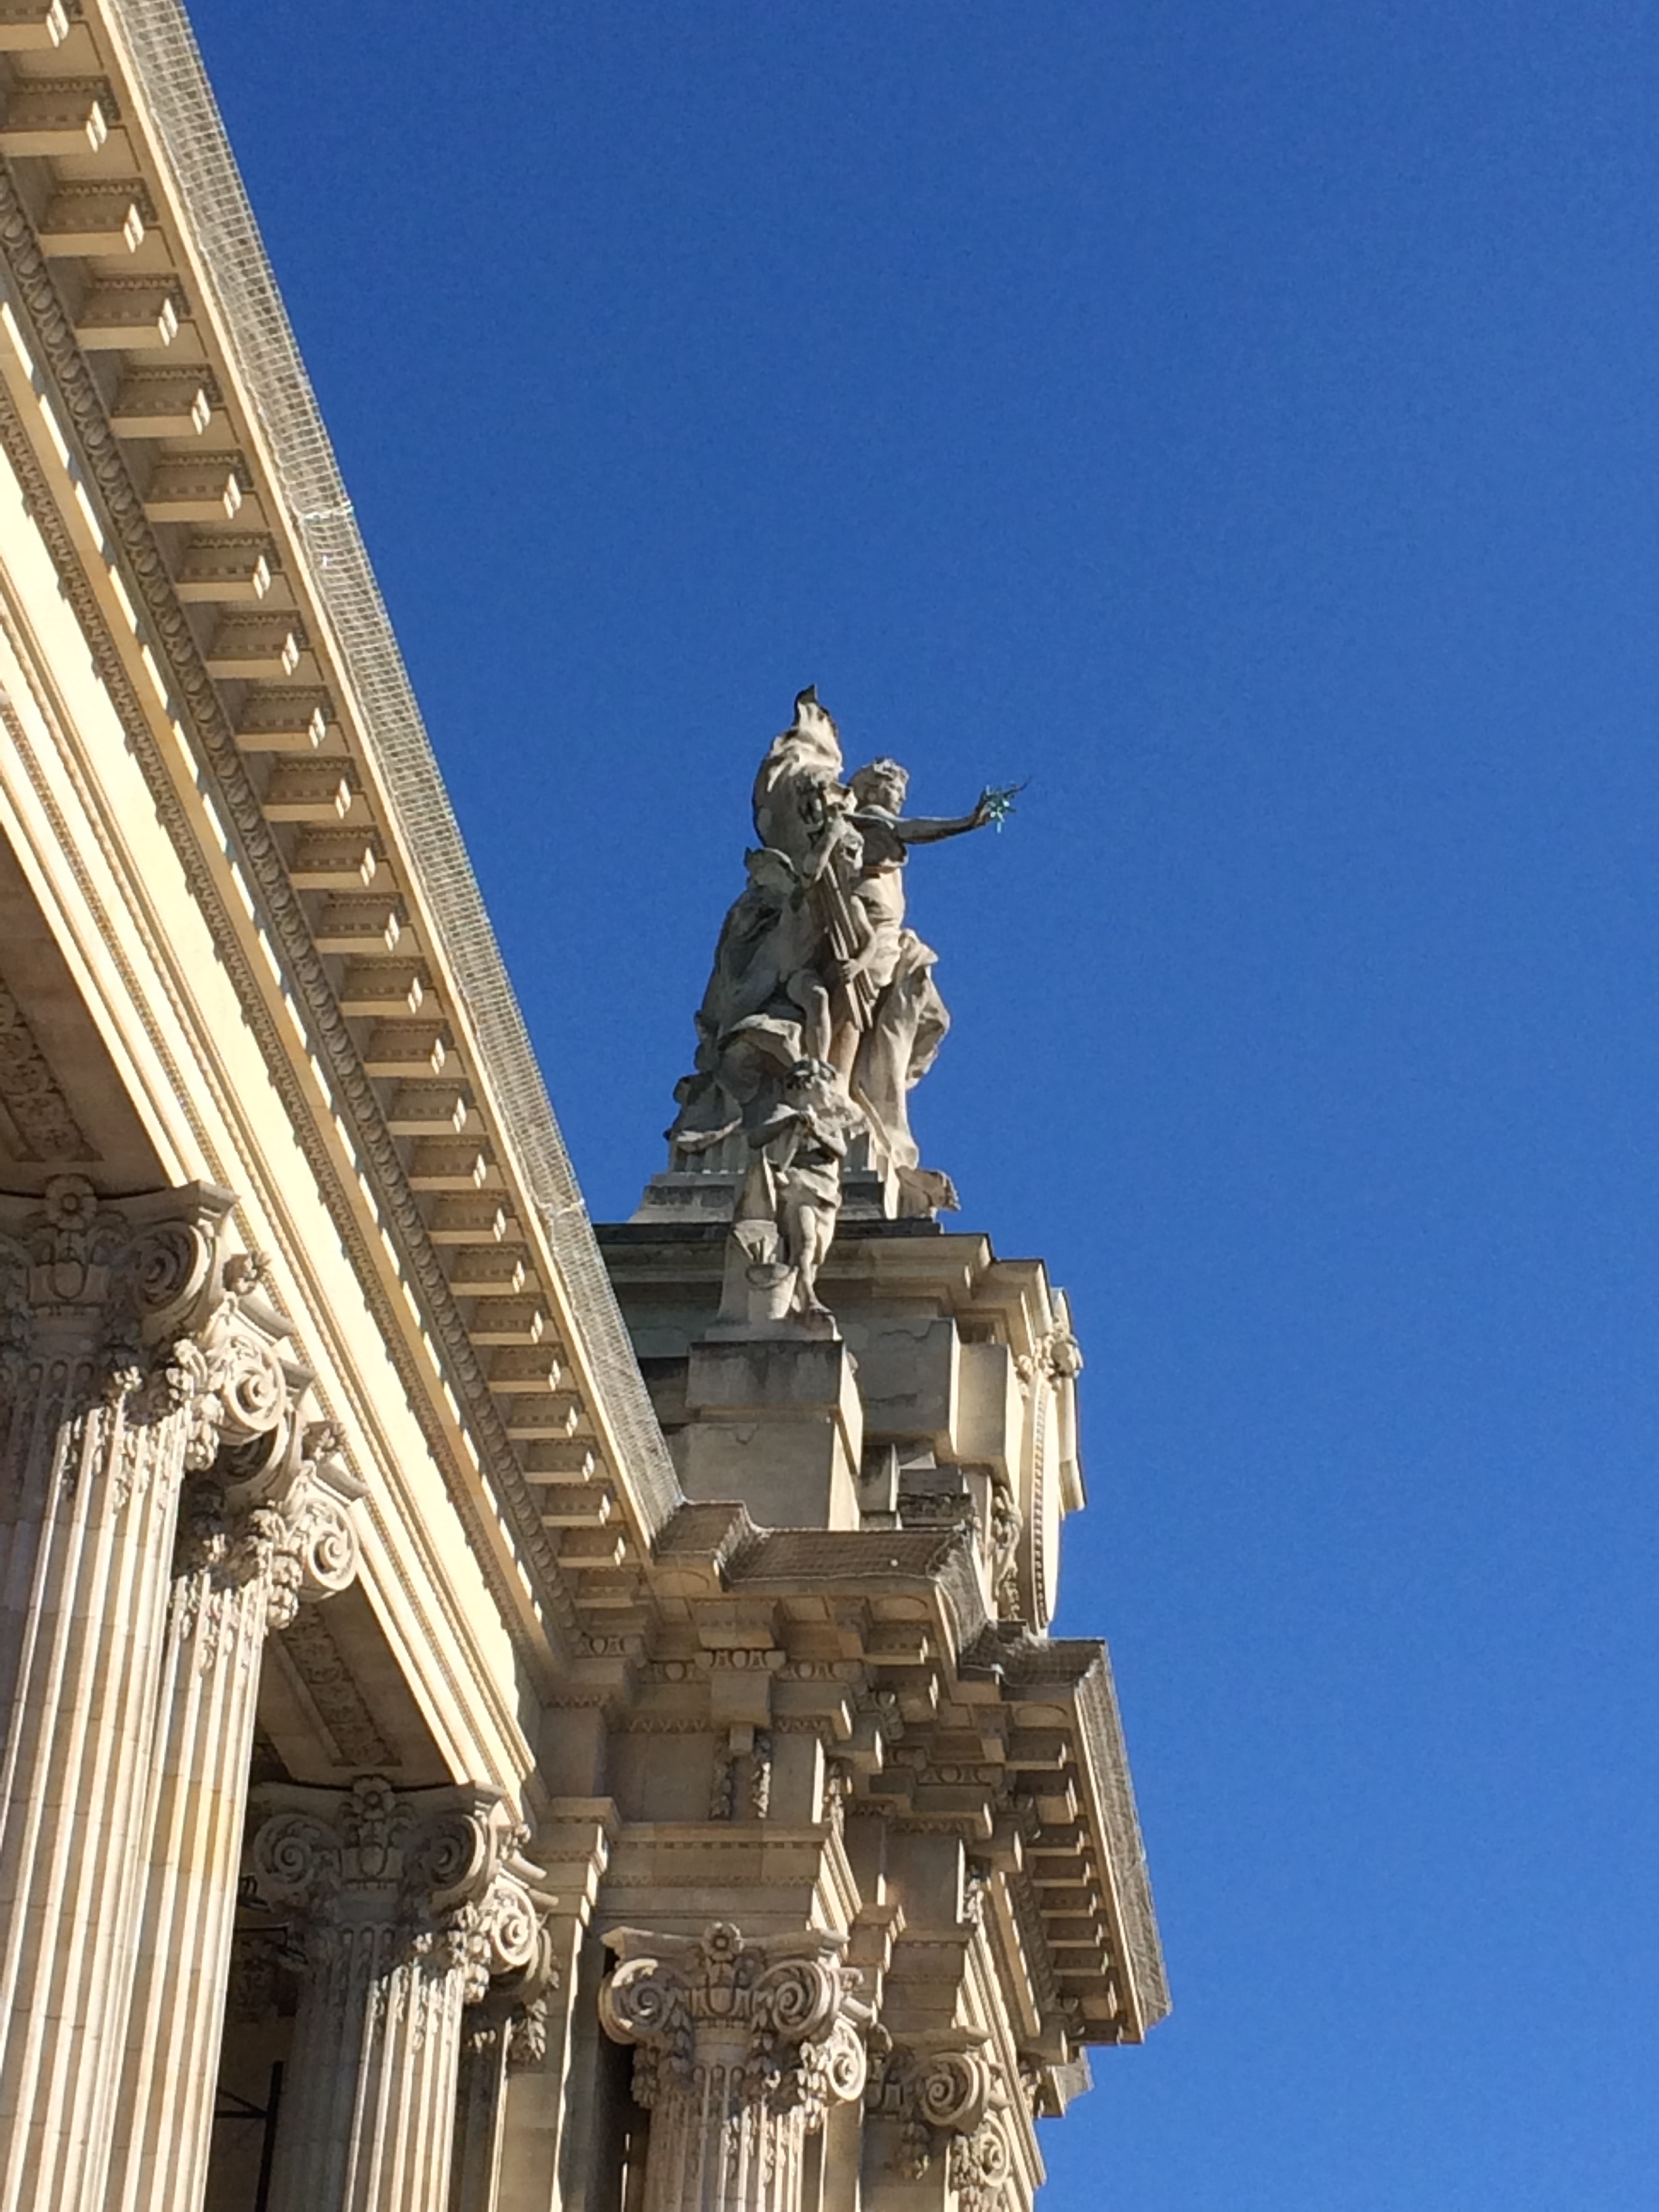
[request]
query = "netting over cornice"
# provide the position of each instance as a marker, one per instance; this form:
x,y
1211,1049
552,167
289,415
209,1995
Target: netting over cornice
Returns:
x,y
163,57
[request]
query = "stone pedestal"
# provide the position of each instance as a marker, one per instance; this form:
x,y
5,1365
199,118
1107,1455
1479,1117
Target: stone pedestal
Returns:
x,y
111,1388
410,1903
739,2049
776,1421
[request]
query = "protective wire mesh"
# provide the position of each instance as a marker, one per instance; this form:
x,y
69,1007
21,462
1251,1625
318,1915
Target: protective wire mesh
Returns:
x,y
163,60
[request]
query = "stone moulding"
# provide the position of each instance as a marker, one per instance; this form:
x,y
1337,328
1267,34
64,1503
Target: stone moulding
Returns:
x,y
160,51
106,473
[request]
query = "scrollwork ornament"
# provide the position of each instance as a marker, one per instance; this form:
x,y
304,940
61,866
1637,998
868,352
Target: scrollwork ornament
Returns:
x,y
844,2064
796,2000
296,1860
980,2166
325,1546
952,2091
641,2003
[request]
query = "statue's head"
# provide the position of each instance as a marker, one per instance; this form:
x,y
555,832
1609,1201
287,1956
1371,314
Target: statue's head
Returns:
x,y
883,784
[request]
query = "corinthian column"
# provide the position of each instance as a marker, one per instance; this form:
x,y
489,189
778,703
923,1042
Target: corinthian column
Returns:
x,y
251,1550
739,2046
107,1398
410,1903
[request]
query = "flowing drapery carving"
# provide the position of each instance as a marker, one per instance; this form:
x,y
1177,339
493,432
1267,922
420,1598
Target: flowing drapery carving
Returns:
x,y
409,1906
739,2047
820,1016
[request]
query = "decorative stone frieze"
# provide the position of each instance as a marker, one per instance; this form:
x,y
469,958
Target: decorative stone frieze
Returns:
x,y
126,1362
406,1906
739,2048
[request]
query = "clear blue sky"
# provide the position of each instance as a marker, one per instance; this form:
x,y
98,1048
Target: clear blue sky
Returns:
x,y
1243,420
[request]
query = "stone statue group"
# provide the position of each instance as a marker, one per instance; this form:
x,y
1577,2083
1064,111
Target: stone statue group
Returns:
x,y
822,1012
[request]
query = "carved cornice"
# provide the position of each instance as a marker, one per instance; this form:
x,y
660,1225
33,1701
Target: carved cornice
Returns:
x,y
107,476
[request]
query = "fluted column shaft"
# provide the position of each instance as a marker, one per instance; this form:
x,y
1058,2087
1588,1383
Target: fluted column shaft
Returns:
x,y
246,1558
739,2046
369,2109
410,1901
505,2033
104,1401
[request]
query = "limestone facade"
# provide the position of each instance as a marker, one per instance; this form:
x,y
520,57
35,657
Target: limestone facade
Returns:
x,y
489,1725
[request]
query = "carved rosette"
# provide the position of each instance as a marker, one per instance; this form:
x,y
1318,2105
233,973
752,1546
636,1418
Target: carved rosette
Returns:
x,y
739,2048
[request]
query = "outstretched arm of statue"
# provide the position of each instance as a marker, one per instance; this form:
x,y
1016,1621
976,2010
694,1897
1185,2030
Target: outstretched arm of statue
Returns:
x,y
928,828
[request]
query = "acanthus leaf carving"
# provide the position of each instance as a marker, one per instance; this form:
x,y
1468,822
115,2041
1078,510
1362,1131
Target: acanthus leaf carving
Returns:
x,y
779,2017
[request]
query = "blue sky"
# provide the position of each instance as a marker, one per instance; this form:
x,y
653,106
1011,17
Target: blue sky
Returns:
x,y
1242,420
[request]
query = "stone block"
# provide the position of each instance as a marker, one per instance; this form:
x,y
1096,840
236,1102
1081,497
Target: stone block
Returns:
x,y
908,1371
776,1422
988,1409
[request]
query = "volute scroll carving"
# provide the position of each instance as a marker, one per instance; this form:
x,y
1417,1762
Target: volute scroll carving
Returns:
x,y
945,2094
740,2047
110,1297
439,1874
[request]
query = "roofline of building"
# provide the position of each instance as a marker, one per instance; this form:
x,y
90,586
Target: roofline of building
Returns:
x,y
211,202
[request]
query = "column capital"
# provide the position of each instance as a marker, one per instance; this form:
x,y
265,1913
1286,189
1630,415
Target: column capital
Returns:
x,y
442,1868
289,1526
141,1302
89,1276
946,2094
782,2008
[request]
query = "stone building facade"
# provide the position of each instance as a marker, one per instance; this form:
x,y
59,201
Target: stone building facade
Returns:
x,y
499,1717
